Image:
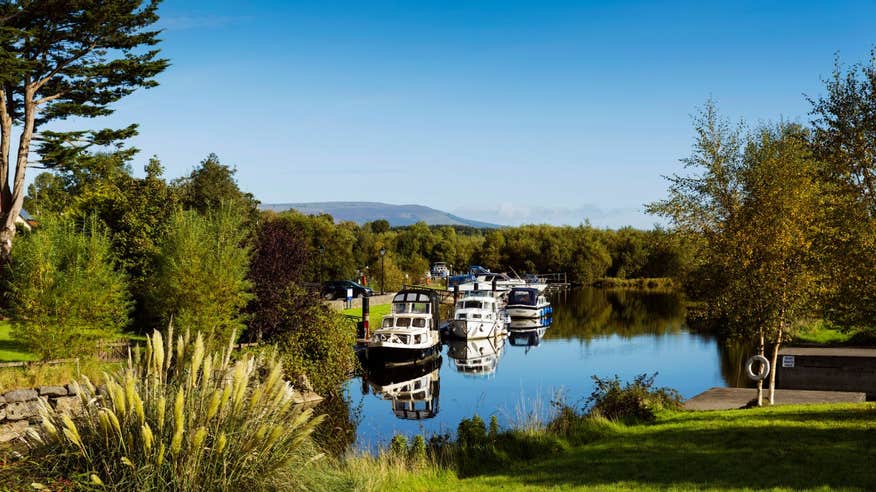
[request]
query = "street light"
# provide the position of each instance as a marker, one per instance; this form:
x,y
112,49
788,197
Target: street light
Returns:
x,y
382,270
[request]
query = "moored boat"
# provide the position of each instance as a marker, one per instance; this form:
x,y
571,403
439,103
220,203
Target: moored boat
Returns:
x,y
476,357
410,331
477,315
527,303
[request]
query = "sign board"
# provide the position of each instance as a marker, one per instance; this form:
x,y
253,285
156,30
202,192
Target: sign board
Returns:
x,y
787,361
349,293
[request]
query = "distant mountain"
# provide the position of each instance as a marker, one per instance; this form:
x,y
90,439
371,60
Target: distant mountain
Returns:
x,y
362,212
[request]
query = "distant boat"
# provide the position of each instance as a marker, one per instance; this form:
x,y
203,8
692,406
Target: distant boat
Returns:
x,y
477,315
527,302
410,331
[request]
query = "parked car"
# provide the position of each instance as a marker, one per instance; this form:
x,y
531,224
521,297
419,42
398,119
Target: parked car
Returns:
x,y
337,289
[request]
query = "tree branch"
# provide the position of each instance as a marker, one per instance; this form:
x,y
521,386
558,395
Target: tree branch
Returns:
x,y
48,98
62,65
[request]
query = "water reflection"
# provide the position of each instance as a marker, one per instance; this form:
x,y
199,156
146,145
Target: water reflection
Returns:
x,y
592,332
528,332
412,389
476,357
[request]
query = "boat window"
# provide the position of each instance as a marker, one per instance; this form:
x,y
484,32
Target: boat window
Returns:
x,y
521,297
403,322
387,323
473,304
420,308
419,323
460,316
476,316
401,308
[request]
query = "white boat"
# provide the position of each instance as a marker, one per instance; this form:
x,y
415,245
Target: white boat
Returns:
x,y
527,303
477,315
413,389
476,357
410,331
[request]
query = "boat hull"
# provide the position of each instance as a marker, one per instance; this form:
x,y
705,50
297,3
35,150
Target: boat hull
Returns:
x,y
528,311
381,354
469,330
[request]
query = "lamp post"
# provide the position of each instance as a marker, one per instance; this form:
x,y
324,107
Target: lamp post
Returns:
x,y
382,270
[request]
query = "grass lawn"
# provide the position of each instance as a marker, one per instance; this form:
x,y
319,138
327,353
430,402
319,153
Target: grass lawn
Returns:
x,y
12,350
377,313
816,447
822,333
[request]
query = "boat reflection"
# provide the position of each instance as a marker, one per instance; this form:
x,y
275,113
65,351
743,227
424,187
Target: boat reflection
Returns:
x,y
412,388
527,332
476,357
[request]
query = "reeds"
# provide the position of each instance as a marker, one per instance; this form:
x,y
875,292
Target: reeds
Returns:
x,y
179,418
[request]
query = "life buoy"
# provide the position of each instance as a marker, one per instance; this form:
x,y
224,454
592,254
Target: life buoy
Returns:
x,y
764,368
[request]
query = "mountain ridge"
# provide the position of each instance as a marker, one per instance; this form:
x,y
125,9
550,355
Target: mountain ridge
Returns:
x,y
396,215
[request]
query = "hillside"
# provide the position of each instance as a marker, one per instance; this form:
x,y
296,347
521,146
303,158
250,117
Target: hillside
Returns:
x,y
362,212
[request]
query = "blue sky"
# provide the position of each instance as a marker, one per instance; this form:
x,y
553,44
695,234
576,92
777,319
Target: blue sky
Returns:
x,y
504,111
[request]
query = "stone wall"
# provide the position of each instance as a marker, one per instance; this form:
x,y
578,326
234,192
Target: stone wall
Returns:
x,y
19,409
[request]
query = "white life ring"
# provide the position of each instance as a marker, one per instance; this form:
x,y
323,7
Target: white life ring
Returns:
x,y
764,368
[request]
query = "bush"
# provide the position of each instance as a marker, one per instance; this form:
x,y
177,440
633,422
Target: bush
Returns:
x,y
315,341
64,293
202,273
179,418
634,402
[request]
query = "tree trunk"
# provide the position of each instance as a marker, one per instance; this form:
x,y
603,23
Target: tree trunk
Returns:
x,y
13,208
5,190
760,350
775,360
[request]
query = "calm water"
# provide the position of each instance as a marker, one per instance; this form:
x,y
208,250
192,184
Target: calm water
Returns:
x,y
593,332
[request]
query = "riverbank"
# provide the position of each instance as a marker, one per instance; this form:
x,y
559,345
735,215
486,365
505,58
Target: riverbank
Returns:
x,y
813,447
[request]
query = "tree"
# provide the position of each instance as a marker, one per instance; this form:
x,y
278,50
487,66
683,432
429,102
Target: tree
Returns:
x,y
844,140
65,294
61,59
755,211
201,281
279,261
212,184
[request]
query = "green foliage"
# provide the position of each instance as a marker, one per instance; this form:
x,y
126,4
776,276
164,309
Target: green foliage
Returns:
x,y
398,446
315,341
64,293
633,402
211,186
181,418
201,279
844,125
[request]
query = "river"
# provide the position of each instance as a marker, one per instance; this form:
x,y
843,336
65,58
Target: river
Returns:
x,y
593,332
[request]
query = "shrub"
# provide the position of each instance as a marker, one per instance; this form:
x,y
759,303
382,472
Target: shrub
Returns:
x,y
632,402
179,418
315,341
201,280
64,293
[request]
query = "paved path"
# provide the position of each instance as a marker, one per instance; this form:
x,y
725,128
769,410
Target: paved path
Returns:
x,y
731,398
829,351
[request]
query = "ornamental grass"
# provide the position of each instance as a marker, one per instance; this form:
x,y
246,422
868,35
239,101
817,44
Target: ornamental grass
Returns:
x,y
178,418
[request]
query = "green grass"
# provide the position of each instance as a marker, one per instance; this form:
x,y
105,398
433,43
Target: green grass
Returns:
x,y
820,332
377,313
12,350
816,447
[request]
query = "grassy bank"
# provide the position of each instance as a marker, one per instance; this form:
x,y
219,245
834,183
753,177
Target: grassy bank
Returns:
x,y
784,448
377,313
12,350
820,332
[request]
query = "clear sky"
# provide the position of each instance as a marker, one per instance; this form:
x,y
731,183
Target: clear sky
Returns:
x,y
504,111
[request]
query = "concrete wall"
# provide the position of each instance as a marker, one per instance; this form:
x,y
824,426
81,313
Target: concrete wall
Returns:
x,y
19,408
827,369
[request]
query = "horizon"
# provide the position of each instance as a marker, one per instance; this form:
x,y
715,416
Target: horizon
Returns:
x,y
498,112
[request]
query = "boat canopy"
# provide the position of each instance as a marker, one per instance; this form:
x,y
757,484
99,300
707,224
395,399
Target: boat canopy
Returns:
x,y
526,296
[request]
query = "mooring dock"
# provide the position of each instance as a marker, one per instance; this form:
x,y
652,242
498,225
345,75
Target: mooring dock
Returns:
x,y
733,398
